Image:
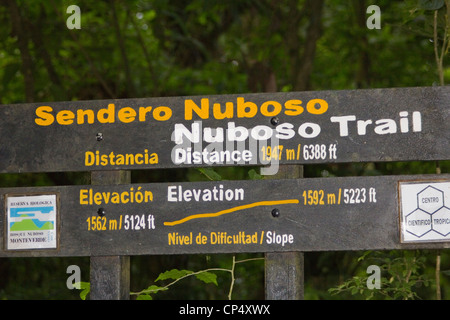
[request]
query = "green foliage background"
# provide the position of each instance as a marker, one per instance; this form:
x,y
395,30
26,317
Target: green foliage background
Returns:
x,y
140,48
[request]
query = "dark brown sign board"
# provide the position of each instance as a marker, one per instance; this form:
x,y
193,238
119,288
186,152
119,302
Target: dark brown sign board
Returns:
x,y
315,214
396,124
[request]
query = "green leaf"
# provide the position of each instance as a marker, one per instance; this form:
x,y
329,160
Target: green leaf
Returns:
x,y
173,274
144,297
363,257
431,4
254,175
85,288
210,174
207,277
9,72
154,289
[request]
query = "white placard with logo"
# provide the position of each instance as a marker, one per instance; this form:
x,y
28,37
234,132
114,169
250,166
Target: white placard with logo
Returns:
x,y
425,211
31,222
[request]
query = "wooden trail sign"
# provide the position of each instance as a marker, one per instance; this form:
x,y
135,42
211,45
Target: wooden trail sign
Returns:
x,y
319,214
399,124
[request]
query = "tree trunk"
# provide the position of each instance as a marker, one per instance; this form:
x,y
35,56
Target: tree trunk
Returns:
x,y
304,65
22,42
362,76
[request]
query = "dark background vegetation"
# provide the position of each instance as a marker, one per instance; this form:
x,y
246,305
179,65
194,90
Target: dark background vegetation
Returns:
x,y
128,49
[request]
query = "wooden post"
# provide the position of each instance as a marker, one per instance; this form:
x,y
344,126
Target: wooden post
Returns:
x,y
110,275
110,278
284,272
284,276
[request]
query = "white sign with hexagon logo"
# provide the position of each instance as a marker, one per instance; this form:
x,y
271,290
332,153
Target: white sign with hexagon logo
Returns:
x,y
425,211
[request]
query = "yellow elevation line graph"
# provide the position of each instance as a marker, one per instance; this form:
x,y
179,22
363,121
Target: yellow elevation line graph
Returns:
x,y
234,209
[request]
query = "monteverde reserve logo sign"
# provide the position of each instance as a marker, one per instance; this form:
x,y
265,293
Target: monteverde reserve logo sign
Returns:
x,y
31,222
265,129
